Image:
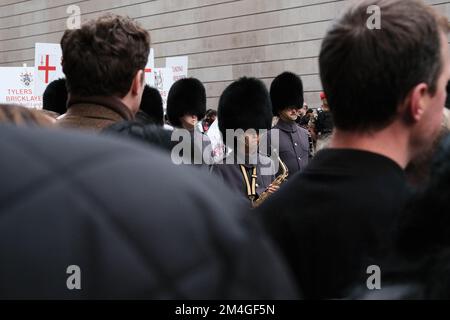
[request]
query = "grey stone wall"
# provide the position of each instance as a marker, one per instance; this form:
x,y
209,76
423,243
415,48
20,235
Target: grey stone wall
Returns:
x,y
224,39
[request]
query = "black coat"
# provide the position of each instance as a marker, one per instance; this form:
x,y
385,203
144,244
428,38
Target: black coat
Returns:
x,y
337,218
136,225
293,145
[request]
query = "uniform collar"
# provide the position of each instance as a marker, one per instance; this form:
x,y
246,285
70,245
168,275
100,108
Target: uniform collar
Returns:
x,y
286,126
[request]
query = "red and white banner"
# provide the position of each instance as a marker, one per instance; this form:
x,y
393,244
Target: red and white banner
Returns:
x,y
17,87
47,64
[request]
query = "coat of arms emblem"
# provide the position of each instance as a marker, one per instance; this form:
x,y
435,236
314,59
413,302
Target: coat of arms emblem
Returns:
x,y
26,78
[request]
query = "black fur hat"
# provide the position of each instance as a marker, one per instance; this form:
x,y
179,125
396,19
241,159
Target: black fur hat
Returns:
x,y
186,97
286,91
55,96
151,106
245,104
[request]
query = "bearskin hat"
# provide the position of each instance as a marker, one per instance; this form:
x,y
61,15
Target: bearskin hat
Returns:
x,y
55,96
152,106
186,97
245,104
286,91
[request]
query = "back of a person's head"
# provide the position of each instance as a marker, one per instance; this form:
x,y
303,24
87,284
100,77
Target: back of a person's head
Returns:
x,y
245,104
152,134
367,73
55,96
103,56
187,96
21,116
152,106
286,91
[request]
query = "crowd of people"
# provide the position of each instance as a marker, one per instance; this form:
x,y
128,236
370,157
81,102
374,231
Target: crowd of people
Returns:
x,y
303,203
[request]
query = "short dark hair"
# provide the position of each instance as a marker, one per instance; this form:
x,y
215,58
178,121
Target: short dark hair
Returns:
x,y
103,56
55,96
368,73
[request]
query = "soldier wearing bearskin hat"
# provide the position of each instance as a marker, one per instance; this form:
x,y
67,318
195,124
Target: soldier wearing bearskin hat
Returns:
x,y
245,110
286,93
186,106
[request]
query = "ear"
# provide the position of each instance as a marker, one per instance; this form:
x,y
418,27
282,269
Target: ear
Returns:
x,y
138,82
416,102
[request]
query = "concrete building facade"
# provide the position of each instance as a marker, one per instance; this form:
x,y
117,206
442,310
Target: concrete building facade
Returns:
x,y
224,39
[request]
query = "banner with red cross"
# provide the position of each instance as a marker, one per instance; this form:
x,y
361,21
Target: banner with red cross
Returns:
x,y
47,63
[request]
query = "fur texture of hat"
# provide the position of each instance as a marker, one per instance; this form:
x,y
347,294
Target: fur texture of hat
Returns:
x,y
286,91
55,96
245,104
186,97
152,105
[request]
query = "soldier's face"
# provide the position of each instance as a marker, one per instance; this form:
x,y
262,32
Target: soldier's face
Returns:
x,y
251,142
189,121
289,114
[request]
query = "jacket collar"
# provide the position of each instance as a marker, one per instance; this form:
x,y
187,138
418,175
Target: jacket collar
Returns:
x,y
112,103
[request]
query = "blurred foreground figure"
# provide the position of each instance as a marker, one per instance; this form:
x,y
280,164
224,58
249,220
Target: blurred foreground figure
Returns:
x,y
107,209
420,268
21,116
335,220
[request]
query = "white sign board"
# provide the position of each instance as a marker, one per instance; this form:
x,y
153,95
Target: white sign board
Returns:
x,y
179,67
47,64
17,87
163,82
150,69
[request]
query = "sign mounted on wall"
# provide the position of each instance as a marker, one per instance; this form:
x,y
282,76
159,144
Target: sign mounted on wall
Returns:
x,y
47,64
163,82
179,67
17,87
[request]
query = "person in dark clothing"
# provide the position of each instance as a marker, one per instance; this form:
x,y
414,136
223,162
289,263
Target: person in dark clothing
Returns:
x,y
335,220
153,134
54,98
104,71
186,106
90,217
244,109
422,242
151,110
286,93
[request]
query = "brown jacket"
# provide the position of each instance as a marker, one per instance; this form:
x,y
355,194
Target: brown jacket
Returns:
x,y
94,113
